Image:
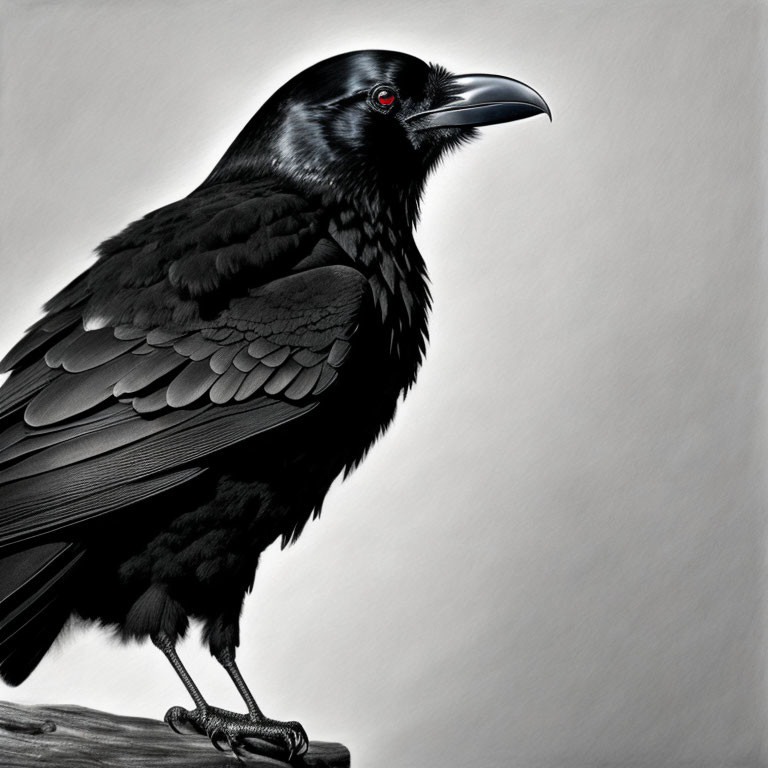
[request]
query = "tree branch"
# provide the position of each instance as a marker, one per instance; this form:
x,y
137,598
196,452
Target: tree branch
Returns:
x,y
75,737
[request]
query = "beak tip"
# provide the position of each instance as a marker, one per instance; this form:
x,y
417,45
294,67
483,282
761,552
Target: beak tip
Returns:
x,y
545,110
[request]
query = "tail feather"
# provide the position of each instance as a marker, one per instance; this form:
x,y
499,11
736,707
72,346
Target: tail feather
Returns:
x,y
33,605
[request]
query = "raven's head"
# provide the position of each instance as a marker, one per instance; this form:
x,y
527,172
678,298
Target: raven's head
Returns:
x,y
371,123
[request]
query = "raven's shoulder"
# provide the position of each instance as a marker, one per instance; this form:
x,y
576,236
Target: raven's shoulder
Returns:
x,y
186,260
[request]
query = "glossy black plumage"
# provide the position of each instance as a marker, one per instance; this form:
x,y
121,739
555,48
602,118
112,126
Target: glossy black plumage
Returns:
x,y
191,397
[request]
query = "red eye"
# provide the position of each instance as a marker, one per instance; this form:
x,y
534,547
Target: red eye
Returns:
x,y
385,97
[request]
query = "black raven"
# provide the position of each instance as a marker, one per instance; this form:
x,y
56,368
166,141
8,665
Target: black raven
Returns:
x,y
190,398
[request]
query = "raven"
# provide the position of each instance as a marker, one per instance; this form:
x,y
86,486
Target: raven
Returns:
x,y
190,398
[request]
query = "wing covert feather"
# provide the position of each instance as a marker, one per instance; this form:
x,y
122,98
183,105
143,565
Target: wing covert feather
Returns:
x,y
289,324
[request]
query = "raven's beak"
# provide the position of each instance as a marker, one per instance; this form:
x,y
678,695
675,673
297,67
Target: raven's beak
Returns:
x,y
484,100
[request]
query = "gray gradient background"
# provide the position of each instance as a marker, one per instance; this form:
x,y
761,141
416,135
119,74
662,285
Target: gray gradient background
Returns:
x,y
556,555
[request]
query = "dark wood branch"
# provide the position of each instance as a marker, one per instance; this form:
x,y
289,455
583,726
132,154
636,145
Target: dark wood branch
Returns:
x,y
75,737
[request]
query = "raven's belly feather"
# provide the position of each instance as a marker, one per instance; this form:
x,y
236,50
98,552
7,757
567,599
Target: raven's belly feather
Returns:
x,y
197,547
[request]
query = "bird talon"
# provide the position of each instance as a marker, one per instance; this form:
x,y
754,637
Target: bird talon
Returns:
x,y
173,717
215,735
296,741
234,745
288,745
301,740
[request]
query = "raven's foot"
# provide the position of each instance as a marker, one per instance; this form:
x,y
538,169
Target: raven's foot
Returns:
x,y
220,725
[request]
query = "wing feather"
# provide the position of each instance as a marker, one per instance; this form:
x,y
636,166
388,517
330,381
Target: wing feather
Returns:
x,y
72,394
254,381
54,355
23,384
302,385
226,386
151,403
244,361
93,349
326,378
71,493
276,358
284,375
41,335
149,369
25,527
20,440
222,359
190,384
